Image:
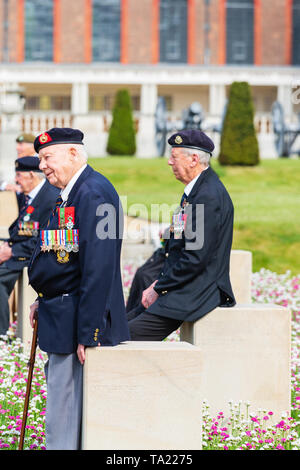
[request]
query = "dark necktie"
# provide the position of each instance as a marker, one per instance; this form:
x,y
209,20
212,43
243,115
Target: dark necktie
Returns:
x,y
184,196
58,203
26,200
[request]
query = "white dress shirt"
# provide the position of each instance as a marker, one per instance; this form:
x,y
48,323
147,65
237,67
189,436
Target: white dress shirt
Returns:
x,y
191,184
35,190
66,191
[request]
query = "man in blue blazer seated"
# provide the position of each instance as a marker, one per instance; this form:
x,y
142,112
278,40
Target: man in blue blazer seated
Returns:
x,y
195,276
15,253
75,271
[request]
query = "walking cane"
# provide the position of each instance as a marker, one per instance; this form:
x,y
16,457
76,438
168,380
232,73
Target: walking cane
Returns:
x,y
29,380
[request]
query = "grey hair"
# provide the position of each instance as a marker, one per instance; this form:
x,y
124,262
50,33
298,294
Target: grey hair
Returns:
x,y
81,151
204,157
40,175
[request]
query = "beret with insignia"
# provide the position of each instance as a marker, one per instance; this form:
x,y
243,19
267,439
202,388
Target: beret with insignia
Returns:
x,y
27,164
58,135
28,138
192,138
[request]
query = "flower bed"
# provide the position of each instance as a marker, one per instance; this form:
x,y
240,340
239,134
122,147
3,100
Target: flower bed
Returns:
x,y
243,431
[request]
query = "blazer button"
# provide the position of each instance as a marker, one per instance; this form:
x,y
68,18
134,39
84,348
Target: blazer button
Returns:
x,y
166,255
164,292
40,294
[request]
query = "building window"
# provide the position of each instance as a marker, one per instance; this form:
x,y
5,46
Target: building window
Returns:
x,y
106,102
173,31
48,103
39,30
106,30
296,32
239,27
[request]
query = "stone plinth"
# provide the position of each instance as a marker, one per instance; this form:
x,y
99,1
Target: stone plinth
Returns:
x,y
26,297
240,275
246,353
143,395
8,211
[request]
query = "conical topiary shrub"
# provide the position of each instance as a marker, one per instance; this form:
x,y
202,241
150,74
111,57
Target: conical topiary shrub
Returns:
x,y
239,145
121,138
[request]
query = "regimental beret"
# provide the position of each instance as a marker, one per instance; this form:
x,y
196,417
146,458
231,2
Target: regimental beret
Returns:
x,y
27,164
58,135
28,138
192,138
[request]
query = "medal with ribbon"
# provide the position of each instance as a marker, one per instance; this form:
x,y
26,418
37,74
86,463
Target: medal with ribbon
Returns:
x,y
66,217
179,221
61,241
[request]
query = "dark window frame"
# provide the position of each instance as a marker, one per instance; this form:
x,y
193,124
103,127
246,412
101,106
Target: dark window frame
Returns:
x,y
38,23
173,31
240,32
296,33
106,31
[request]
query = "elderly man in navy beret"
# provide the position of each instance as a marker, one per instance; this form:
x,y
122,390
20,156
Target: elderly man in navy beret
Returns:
x,y
15,253
195,276
75,271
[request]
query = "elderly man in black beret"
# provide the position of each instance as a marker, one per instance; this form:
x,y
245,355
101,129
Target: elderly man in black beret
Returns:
x,y
75,271
15,253
195,276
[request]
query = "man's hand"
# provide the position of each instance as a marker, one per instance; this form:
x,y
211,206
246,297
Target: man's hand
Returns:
x,y
13,187
5,252
33,312
81,353
149,295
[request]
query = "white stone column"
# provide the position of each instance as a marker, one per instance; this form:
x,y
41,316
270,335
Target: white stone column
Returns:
x,y
217,99
284,96
11,107
80,98
91,125
146,135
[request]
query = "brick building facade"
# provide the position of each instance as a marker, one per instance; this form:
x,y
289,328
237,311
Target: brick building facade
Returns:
x,y
70,56
273,27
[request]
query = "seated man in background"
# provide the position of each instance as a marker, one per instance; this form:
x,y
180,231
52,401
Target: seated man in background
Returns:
x,y
16,252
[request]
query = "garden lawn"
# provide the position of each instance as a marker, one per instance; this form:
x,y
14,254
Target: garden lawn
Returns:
x,y
266,200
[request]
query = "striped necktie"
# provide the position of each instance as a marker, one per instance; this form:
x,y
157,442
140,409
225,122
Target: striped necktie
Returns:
x,y
26,200
58,203
184,196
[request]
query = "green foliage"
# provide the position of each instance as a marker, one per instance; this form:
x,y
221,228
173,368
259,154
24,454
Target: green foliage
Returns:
x,y
239,144
121,138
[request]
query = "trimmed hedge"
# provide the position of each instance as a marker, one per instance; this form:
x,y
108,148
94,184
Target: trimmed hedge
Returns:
x,y
121,138
239,145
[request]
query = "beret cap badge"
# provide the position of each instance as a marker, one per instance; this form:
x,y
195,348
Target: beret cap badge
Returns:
x,y
43,138
178,139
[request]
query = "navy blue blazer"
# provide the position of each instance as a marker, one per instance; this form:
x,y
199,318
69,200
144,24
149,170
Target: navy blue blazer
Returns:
x,y
23,246
81,301
194,282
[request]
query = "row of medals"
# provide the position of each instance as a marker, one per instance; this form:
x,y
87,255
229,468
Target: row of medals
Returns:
x,y
28,232
62,251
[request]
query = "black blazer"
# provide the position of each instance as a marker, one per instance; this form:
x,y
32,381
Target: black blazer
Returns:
x,y
82,300
195,279
23,246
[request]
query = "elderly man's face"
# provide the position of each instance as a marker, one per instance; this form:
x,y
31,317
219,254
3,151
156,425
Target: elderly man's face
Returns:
x,y
26,180
57,164
25,149
181,164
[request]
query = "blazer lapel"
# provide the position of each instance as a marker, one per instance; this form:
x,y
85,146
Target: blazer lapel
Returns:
x,y
204,175
86,172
